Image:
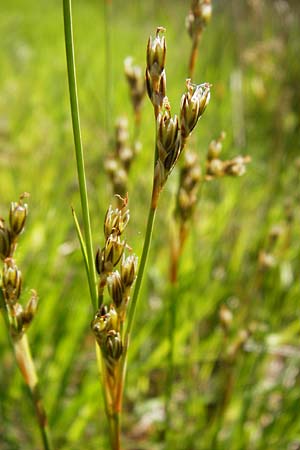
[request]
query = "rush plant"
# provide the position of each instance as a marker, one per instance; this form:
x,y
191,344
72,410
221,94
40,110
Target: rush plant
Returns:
x,y
112,325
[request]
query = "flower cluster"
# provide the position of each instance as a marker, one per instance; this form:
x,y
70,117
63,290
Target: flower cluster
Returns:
x,y
118,163
11,279
216,168
171,132
190,176
137,87
117,272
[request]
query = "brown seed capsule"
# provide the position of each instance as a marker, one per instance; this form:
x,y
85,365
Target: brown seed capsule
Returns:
x,y
5,240
115,288
30,309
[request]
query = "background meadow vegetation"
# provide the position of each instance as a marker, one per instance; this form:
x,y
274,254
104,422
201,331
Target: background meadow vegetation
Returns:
x,y
223,398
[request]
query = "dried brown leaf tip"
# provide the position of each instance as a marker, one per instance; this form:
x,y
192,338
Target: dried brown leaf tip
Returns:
x,y
217,168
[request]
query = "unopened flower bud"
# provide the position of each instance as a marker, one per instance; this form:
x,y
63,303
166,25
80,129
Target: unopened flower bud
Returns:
x,y
168,138
11,281
156,54
30,309
215,168
5,240
17,217
128,270
215,147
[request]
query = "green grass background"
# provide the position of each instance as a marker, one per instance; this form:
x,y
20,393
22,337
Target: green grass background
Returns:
x,y
259,46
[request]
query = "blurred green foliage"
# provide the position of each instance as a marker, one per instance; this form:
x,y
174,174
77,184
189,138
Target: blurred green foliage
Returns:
x,y
243,399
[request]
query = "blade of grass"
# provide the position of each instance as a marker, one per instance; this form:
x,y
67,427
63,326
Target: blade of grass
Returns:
x,y
67,12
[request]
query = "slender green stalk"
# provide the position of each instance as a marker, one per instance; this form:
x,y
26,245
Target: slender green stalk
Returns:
x,y
146,247
108,65
172,313
3,310
91,273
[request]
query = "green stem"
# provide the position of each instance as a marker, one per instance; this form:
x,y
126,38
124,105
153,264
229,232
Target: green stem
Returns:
x,y
91,273
170,371
108,66
146,247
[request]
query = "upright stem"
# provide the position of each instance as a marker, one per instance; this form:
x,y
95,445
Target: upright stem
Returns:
x,y
146,247
108,65
178,240
194,55
91,273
